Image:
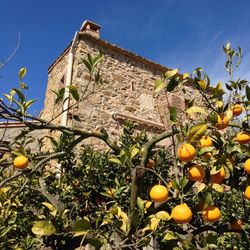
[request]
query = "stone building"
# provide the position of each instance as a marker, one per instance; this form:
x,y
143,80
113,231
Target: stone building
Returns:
x,y
128,93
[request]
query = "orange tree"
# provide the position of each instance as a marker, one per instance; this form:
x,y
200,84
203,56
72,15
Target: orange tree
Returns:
x,y
192,195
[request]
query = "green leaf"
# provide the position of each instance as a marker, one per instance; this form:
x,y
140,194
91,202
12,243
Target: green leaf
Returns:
x,y
218,91
229,114
185,75
49,206
87,64
95,243
171,73
170,236
154,222
219,104
20,105
229,87
202,84
29,103
195,109
43,228
205,150
22,73
140,203
196,132
162,215
59,95
215,170
201,187
248,92
173,114
115,160
213,118
81,225
23,85
9,97
173,83
20,94
74,92
159,85
134,152
218,188
227,47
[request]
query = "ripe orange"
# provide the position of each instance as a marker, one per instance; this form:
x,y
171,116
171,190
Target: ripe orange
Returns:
x,y
150,164
237,224
21,162
222,121
196,173
242,137
211,214
158,193
247,166
205,141
247,193
181,213
186,152
218,177
237,109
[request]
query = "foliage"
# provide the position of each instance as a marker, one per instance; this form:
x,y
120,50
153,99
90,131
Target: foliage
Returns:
x,y
73,195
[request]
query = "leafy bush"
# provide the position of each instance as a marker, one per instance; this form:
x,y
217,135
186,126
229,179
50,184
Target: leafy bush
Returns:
x,y
73,195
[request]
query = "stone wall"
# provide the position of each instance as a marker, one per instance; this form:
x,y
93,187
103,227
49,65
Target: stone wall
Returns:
x,y
56,79
127,95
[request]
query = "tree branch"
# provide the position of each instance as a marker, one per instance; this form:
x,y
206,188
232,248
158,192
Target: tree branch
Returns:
x,y
139,171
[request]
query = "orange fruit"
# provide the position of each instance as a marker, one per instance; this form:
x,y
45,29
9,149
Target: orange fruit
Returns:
x,y
247,193
196,173
150,164
236,109
158,193
242,137
181,213
237,224
211,214
205,141
222,121
21,162
218,177
186,152
247,166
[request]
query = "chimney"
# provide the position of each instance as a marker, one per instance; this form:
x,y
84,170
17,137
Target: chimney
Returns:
x,y
91,28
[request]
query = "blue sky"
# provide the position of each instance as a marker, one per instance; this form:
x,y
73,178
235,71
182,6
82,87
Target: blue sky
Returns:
x,y
179,34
